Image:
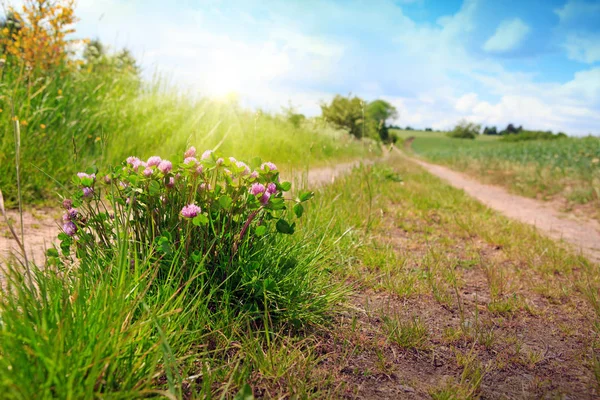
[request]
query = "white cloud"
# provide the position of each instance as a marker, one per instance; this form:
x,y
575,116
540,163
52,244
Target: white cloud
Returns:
x,y
583,47
574,10
508,36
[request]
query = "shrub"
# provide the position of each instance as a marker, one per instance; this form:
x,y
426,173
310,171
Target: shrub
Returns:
x,y
532,135
465,130
208,223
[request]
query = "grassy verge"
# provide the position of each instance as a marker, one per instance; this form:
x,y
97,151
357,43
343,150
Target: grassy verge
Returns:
x,y
566,168
448,299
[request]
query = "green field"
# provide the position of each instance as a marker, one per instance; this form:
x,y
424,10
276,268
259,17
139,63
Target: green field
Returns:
x,y
565,168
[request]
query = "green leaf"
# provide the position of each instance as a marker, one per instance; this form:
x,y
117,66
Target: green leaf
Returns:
x,y
276,203
154,188
225,202
284,227
200,219
245,393
52,252
260,230
298,210
284,186
305,196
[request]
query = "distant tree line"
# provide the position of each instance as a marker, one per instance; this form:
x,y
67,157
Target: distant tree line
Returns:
x,y
512,133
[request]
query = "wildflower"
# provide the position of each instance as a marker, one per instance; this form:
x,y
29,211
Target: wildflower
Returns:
x,y
199,169
67,203
165,166
271,188
220,161
88,192
233,160
241,164
190,211
205,186
257,188
123,185
269,167
254,175
171,183
42,126
191,152
147,172
131,160
206,155
24,123
70,228
70,215
82,175
153,161
107,179
190,160
265,198
59,92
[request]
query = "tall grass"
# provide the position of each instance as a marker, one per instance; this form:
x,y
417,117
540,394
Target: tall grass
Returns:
x,y
71,119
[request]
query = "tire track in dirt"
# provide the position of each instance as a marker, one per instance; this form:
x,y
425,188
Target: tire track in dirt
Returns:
x,y
583,235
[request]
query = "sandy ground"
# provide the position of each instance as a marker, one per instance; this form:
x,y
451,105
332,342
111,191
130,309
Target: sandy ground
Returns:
x,y
582,234
41,226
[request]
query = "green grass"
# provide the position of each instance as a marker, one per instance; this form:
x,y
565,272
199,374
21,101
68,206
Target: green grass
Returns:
x,y
565,168
70,120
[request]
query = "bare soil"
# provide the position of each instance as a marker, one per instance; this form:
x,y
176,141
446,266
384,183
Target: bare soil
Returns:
x,y
581,233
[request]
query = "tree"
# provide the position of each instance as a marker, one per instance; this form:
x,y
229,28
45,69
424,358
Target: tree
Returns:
x,y
380,111
465,130
346,113
490,130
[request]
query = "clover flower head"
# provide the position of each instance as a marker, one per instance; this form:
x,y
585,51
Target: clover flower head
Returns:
x,y
268,166
199,169
246,169
148,171
70,228
82,175
220,161
67,203
233,160
206,155
88,192
190,211
132,160
265,198
205,186
70,215
107,179
257,188
171,183
254,175
190,160
123,185
271,188
165,166
191,152
154,161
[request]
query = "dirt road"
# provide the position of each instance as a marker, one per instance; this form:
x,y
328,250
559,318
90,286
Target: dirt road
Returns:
x,y
583,235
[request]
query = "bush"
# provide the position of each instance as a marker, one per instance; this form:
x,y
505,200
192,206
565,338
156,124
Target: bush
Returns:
x,y
210,224
532,135
465,130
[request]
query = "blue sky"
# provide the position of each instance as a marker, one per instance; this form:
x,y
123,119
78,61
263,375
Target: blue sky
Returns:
x,y
533,63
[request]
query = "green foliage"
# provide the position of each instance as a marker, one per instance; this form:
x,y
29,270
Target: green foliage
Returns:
x,y
525,135
212,217
346,113
465,130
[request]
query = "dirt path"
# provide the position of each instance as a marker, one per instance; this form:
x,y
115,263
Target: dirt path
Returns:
x,y
584,235
42,226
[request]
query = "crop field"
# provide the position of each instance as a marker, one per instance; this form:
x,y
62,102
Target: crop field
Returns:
x,y
193,248
566,168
